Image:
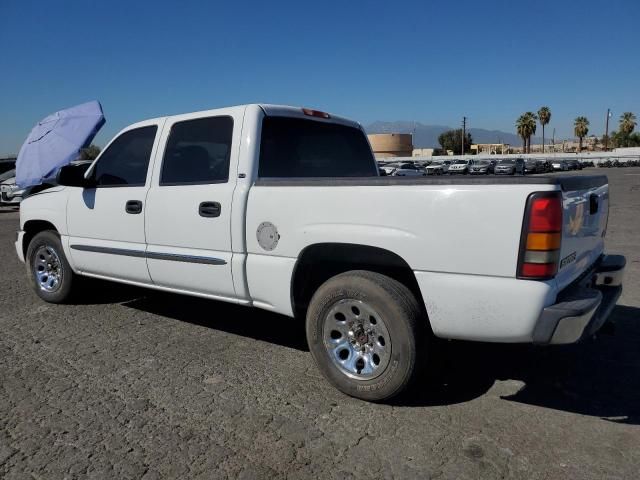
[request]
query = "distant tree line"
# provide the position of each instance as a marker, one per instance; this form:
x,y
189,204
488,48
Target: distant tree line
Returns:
x,y
624,137
451,140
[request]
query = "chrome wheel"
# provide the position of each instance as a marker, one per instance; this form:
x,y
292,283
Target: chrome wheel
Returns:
x,y
47,269
357,339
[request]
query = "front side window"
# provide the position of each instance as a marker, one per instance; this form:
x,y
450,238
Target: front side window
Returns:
x,y
198,152
125,162
294,147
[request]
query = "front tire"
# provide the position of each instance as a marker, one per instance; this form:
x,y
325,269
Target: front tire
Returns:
x,y
48,270
367,334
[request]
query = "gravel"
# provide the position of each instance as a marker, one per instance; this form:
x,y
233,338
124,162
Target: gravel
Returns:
x,y
131,383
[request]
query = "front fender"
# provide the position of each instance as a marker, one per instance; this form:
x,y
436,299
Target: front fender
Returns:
x,y
49,206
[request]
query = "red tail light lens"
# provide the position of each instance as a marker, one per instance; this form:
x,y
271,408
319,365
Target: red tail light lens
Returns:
x,y
538,270
541,236
545,214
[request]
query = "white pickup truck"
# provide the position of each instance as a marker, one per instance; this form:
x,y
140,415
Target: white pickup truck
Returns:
x,y
283,209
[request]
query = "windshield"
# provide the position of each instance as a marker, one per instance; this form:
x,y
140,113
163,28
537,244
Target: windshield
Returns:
x,y
507,162
7,175
482,162
461,162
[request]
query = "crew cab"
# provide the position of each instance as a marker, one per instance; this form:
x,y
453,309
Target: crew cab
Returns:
x,y
283,209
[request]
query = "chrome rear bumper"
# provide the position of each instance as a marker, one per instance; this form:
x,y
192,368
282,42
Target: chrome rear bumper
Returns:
x,y
583,308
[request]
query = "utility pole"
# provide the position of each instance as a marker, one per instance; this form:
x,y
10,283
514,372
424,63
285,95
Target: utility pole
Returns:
x,y
464,131
606,131
553,140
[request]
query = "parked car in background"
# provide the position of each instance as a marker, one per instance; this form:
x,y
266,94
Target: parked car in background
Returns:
x,y
460,167
482,167
7,164
571,165
510,166
387,168
422,163
559,165
10,193
403,169
531,166
409,169
543,166
438,167
7,175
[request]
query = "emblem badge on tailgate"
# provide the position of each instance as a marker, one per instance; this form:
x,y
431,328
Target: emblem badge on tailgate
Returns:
x,y
575,222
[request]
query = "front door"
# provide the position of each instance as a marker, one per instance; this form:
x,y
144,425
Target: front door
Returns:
x,y
106,223
188,218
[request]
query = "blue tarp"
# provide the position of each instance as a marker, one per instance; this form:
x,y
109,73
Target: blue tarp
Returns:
x,y
56,141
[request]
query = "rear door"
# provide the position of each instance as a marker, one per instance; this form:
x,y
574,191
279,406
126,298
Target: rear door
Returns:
x,y
188,221
585,215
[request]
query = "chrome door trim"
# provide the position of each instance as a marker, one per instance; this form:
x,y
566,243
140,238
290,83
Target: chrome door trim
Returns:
x,y
152,255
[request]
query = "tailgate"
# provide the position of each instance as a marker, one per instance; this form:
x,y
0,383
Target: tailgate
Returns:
x,y
585,212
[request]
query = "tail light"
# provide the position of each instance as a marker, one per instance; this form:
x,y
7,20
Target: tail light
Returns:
x,y
541,236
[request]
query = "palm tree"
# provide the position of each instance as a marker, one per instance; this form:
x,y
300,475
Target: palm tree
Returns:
x,y
521,128
581,129
627,122
544,115
526,127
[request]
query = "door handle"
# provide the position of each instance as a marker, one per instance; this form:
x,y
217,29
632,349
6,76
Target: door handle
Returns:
x,y
133,206
209,209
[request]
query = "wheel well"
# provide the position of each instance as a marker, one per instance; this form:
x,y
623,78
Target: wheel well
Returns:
x,y
318,263
31,229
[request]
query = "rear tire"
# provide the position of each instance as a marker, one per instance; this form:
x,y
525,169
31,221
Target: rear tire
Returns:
x,y
367,334
48,270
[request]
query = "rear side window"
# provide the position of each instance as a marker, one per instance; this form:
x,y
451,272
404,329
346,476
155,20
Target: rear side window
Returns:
x,y
125,162
198,152
292,147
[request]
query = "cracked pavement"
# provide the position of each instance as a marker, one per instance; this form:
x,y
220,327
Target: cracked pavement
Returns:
x,y
139,384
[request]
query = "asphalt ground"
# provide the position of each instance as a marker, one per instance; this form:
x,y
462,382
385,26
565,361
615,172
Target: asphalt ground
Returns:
x,y
137,384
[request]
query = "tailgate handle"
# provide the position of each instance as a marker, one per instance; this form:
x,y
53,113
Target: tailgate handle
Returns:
x,y
209,209
593,204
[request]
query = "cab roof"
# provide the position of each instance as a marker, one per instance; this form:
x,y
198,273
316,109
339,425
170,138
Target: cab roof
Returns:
x,y
268,109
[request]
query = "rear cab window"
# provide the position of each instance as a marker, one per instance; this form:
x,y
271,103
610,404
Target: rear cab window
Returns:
x,y
298,148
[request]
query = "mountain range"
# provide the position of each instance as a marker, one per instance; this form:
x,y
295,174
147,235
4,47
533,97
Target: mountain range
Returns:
x,y
426,136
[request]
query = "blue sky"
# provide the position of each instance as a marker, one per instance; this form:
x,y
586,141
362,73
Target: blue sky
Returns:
x,y
431,62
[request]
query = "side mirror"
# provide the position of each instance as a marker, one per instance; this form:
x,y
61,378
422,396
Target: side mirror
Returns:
x,y
73,176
